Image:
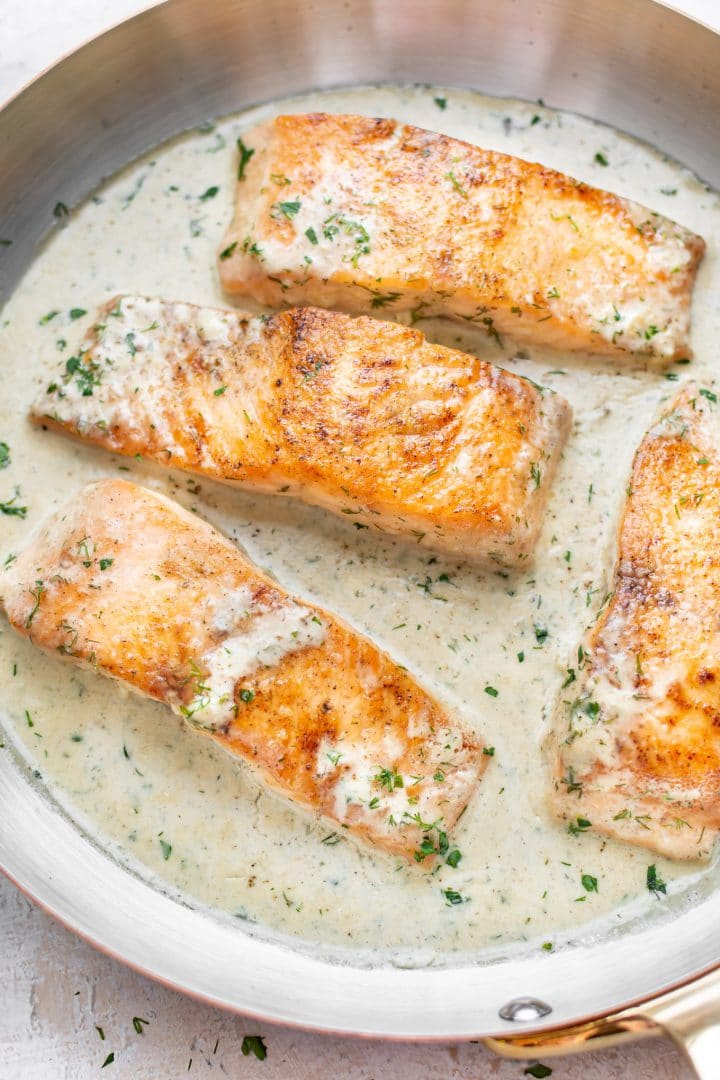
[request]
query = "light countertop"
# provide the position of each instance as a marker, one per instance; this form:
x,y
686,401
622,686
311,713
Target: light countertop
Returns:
x,y
58,994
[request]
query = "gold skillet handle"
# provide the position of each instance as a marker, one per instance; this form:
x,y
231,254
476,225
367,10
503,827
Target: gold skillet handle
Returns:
x,y
690,1016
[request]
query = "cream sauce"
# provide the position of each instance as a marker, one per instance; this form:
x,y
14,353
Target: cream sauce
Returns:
x,y
174,807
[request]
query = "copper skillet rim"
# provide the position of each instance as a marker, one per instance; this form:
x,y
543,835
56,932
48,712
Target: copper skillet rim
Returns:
x,y
527,1031
266,1016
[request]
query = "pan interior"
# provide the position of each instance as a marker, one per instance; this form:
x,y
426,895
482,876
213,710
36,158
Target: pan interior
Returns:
x,y
136,781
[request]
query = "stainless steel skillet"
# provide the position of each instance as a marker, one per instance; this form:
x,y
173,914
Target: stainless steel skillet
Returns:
x,y
636,65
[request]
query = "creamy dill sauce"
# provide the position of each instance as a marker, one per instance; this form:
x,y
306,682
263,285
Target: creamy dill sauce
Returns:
x,y
164,799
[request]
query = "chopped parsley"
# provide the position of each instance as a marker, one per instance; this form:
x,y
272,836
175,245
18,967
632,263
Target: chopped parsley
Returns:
x,y
210,193
220,390
77,313
311,235
87,375
389,778
227,252
441,102
575,828
251,248
538,1070
165,848
654,882
453,858
456,184
600,159
708,394
535,474
285,209
336,223
452,897
245,153
11,509
138,1022
4,455
571,784
489,751
105,564
491,691
247,695
381,299
254,1044
589,883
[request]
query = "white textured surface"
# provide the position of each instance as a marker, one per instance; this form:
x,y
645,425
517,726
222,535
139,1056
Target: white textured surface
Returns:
x,y
55,990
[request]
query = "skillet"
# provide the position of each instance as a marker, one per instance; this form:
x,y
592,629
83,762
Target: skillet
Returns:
x,y
642,68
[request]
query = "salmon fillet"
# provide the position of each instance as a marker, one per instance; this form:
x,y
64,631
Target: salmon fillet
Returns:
x,y
368,214
638,733
127,583
363,417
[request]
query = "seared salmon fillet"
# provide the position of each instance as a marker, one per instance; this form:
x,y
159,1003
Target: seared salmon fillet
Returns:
x,y
363,417
128,583
370,214
638,733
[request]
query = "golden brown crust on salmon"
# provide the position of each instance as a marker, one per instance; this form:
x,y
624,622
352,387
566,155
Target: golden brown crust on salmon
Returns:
x,y
126,582
365,418
638,733
369,214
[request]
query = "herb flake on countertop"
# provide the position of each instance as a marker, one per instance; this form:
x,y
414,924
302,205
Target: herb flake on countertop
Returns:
x,y
254,1044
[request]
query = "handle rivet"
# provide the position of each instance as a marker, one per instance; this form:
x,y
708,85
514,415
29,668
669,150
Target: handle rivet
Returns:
x,y
524,1009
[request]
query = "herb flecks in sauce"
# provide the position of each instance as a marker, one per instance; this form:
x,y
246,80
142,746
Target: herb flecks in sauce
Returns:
x,y
458,635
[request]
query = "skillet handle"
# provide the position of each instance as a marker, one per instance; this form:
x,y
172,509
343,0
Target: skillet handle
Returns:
x,y
689,1015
